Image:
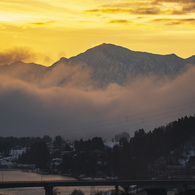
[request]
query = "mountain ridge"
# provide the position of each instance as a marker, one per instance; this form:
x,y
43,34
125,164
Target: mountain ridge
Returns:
x,y
110,64
113,64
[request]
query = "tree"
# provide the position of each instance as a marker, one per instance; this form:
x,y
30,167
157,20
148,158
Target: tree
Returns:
x,y
139,133
58,142
97,144
67,147
123,141
77,192
38,154
119,136
47,139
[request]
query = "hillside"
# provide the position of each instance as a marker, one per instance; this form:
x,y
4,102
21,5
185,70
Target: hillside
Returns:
x,y
107,63
114,64
156,153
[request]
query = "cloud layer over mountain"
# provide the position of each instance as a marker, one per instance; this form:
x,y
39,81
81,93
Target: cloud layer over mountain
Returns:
x,y
16,54
77,107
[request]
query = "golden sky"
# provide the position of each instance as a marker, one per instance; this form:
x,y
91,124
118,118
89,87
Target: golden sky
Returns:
x,y
45,30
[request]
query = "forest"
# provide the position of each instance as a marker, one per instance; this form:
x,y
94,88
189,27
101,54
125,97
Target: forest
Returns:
x,y
144,155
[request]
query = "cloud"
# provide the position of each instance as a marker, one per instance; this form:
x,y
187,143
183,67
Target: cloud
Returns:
x,y
174,1
69,76
109,10
190,8
16,54
124,4
119,21
180,21
137,11
42,23
75,107
23,54
150,7
186,6
144,10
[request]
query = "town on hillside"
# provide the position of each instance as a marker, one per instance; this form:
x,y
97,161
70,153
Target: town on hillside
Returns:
x,y
167,152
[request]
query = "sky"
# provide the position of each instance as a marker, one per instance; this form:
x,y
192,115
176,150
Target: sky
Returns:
x,y
43,31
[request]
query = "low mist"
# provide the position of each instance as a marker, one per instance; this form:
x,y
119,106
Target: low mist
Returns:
x,y
65,101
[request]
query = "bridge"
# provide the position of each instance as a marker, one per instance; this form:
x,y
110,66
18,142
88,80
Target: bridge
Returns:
x,y
48,185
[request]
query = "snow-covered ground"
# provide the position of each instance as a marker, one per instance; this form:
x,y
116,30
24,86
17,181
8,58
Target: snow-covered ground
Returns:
x,y
6,162
111,144
10,160
16,152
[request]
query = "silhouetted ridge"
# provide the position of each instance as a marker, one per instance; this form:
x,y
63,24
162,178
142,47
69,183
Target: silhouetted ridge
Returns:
x,y
110,63
114,64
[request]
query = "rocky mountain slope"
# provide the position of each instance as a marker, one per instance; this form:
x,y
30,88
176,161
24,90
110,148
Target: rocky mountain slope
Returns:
x,y
29,72
108,64
114,64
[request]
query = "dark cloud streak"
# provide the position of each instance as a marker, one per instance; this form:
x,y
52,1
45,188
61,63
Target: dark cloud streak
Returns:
x,y
138,11
154,7
181,21
174,1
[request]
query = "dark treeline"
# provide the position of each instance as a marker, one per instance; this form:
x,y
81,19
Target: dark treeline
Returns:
x,y
7,143
131,158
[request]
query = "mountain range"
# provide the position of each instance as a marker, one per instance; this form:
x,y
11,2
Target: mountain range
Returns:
x,y
106,90
107,63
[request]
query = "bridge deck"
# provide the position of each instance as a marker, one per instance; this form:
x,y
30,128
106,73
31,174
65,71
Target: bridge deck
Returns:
x,y
20,184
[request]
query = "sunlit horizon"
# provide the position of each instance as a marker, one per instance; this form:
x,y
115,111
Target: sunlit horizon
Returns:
x,y
53,29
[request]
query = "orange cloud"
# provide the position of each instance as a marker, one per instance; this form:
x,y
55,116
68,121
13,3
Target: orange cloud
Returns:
x,y
119,21
151,7
17,54
124,4
138,11
42,23
109,10
180,21
141,10
187,6
174,1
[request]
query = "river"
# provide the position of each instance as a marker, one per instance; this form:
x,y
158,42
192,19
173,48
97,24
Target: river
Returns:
x,y
19,175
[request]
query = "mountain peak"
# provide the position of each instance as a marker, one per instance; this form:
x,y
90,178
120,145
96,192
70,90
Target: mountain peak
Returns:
x,y
17,62
114,64
63,59
103,44
105,50
172,55
109,46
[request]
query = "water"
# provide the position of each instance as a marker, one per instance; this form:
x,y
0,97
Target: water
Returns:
x,y
18,175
